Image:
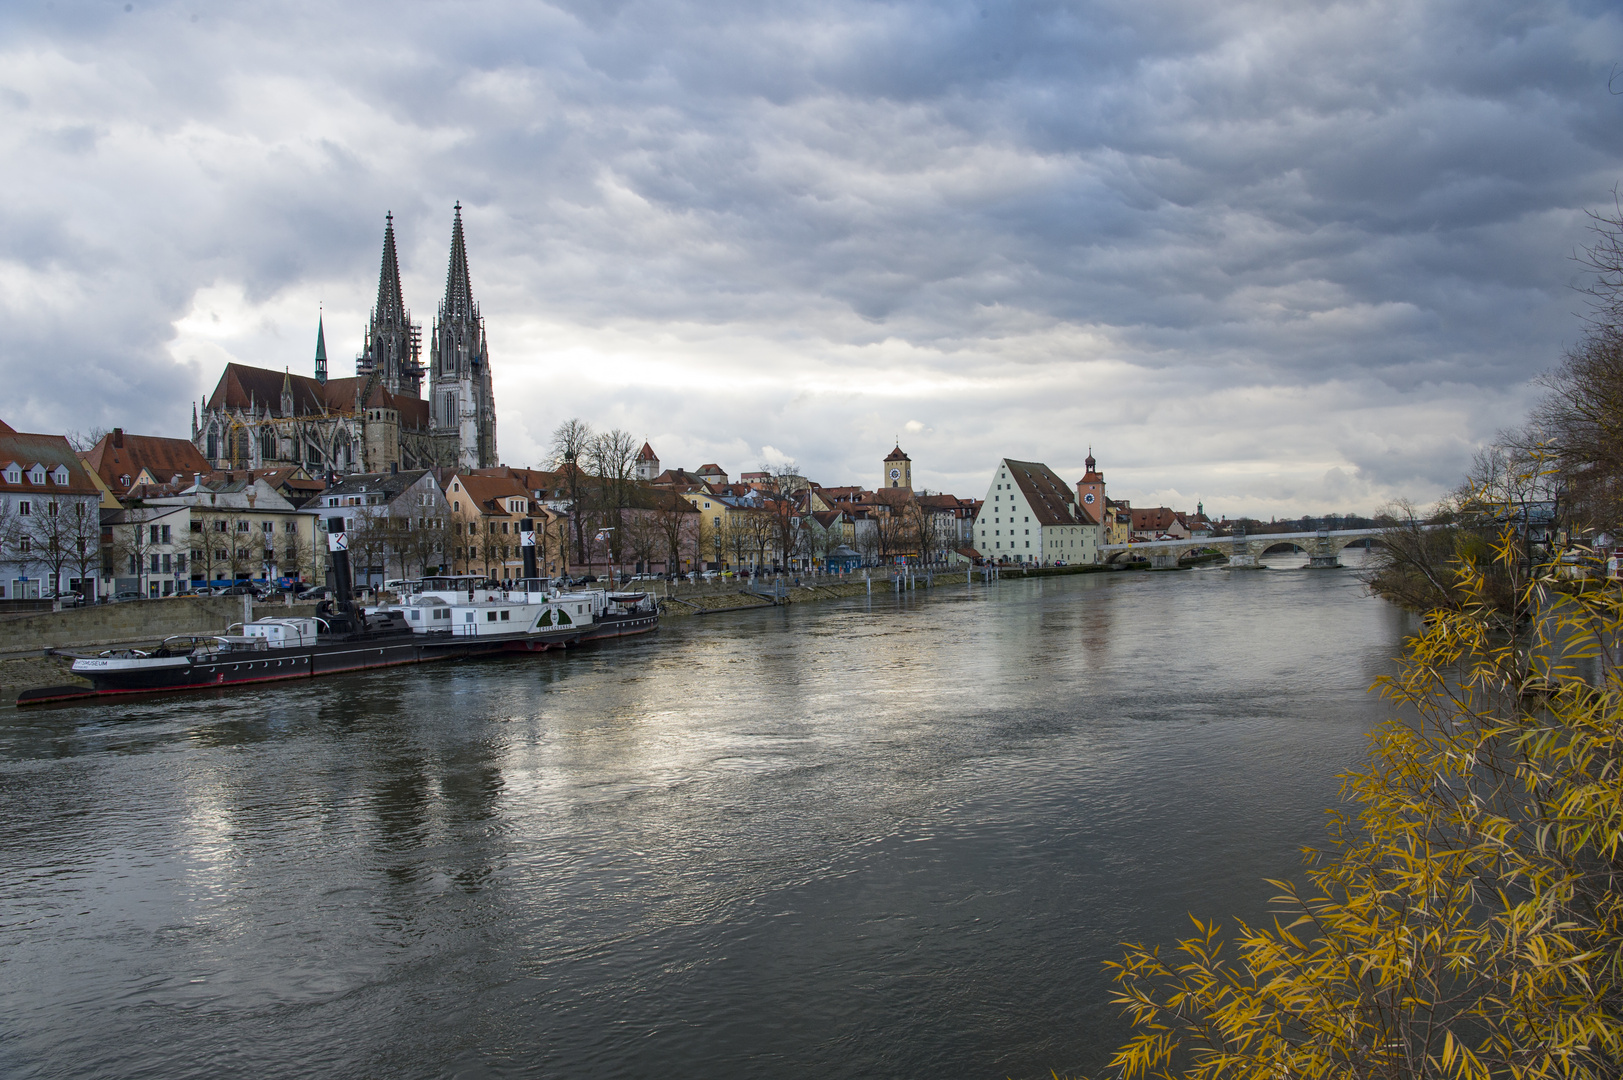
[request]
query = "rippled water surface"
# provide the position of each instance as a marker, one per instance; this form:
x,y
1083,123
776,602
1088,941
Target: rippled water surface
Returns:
x,y
886,838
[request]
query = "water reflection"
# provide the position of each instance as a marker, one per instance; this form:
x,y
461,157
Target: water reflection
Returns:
x,y
892,836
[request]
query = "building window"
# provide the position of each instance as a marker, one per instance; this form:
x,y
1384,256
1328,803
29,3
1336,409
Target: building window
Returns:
x,y
24,508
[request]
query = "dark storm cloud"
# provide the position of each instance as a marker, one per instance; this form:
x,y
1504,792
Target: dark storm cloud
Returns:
x,y
1328,244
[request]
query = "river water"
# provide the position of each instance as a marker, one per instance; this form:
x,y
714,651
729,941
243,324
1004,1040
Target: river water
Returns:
x,y
895,837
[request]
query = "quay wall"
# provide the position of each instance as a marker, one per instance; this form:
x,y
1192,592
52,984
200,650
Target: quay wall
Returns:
x,y
684,599
135,621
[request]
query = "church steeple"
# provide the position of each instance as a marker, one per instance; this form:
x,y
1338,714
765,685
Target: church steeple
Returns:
x,y
458,286
321,351
391,305
393,344
462,405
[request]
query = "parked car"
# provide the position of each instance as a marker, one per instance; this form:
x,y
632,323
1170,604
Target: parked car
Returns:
x,y
68,598
321,592
128,594
238,590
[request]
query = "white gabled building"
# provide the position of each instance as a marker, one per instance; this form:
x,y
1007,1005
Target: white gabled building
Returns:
x,y
1032,516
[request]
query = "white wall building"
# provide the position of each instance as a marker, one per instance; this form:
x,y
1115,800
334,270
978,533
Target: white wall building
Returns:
x,y
1032,516
50,518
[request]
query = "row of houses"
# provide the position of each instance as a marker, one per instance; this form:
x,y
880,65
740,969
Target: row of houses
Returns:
x,y
152,516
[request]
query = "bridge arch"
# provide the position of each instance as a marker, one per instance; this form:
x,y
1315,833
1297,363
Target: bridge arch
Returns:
x,y
1283,547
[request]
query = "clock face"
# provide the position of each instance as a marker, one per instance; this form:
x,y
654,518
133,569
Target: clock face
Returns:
x,y
1088,497
895,474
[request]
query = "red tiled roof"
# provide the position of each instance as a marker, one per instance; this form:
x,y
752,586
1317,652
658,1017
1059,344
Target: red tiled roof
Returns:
x,y
1051,499
28,450
486,491
118,459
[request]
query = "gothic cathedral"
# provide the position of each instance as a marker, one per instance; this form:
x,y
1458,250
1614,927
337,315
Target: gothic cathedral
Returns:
x,y
377,421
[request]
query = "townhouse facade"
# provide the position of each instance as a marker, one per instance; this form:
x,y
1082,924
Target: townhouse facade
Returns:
x,y
215,532
397,524
50,518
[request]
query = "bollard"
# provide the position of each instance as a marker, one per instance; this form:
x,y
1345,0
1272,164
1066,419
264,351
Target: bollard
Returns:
x,y
248,610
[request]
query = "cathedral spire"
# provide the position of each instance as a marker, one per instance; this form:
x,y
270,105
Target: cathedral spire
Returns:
x,y
321,350
391,306
393,344
463,405
458,286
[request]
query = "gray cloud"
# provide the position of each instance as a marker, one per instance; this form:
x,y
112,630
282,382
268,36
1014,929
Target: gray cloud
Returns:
x,y
1290,260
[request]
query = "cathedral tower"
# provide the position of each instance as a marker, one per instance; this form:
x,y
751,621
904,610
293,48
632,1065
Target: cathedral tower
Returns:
x,y
461,399
393,345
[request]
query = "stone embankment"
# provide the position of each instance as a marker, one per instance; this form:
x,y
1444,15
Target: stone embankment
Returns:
x,y
24,638
679,599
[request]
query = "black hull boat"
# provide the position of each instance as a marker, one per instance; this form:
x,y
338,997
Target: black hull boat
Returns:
x,y
344,639
626,614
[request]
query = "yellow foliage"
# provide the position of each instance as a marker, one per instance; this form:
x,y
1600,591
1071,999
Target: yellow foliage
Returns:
x,y
1463,922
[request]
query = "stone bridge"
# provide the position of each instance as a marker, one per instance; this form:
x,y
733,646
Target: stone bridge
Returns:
x,y
1322,547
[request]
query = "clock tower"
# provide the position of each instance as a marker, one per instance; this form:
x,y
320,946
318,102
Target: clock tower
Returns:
x,y
898,470
1090,490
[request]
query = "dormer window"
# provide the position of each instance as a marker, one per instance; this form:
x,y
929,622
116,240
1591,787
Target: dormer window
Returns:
x,y
36,475
61,475
14,475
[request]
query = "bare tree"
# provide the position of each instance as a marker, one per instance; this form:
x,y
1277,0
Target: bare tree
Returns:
x,y
210,544
612,456
367,534
571,441
84,441
675,520
84,530
132,545
1604,260
758,529
783,507
297,556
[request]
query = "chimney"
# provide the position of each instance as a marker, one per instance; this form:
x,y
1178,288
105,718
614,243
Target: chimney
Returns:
x,y
118,438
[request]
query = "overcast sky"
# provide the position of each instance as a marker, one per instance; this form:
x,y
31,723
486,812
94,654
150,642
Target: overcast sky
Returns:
x,y
1280,258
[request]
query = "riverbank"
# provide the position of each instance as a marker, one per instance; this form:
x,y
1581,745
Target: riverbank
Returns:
x,y
714,597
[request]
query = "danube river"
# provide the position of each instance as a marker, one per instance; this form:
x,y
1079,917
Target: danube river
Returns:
x,y
886,838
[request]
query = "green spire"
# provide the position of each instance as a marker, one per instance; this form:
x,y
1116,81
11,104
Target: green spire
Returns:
x,y
321,351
